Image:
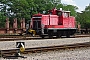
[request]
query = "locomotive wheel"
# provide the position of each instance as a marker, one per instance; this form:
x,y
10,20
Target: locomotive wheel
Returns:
x,y
68,34
50,35
42,36
59,35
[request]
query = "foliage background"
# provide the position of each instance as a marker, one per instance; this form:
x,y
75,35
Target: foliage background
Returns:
x,y
26,8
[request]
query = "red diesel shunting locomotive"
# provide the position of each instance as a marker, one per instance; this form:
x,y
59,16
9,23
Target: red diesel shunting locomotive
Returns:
x,y
56,23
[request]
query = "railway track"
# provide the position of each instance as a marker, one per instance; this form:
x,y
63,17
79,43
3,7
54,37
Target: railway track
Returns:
x,y
28,37
12,52
21,38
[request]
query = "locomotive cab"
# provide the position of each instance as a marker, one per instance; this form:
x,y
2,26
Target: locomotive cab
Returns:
x,y
36,24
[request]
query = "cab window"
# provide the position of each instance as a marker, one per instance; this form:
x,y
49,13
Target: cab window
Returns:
x,y
65,14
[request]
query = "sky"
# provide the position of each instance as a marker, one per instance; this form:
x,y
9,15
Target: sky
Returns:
x,y
81,4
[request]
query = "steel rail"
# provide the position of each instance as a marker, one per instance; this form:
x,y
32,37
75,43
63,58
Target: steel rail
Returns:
x,y
14,38
22,36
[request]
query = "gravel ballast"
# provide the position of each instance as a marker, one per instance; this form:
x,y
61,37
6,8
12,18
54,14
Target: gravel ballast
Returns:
x,y
41,43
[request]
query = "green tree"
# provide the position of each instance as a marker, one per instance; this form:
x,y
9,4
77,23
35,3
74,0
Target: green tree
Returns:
x,y
26,8
72,9
84,18
2,20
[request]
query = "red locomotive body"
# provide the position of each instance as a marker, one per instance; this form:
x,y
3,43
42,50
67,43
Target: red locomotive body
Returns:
x,y
56,23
